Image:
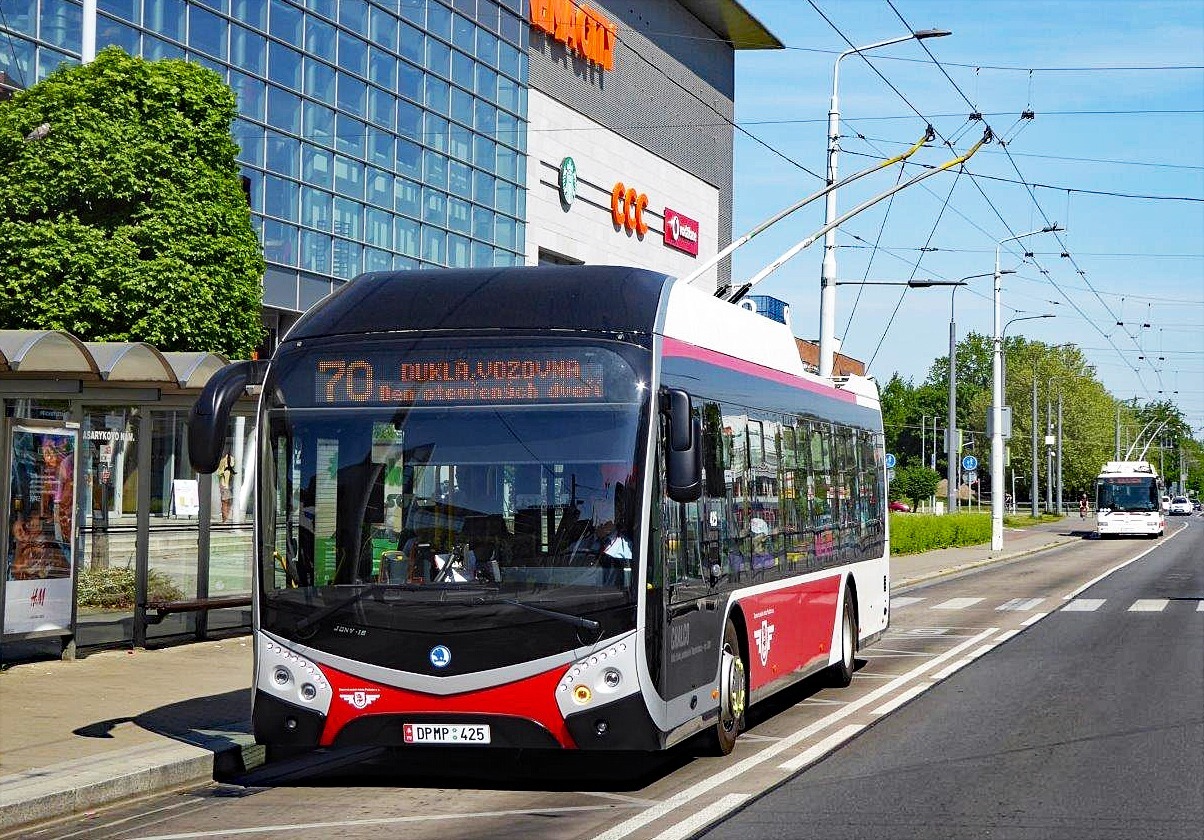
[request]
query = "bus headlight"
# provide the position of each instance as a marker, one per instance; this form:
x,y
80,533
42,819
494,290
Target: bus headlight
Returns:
x,y
582,694
612,677
281,676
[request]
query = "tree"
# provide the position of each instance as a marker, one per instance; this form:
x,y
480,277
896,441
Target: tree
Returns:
x,y
122,214
914,483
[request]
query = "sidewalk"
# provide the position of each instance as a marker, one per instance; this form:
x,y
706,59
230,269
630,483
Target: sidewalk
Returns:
x,y
118,724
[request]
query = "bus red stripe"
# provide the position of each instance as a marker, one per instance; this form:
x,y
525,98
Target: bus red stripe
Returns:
x,y
680,349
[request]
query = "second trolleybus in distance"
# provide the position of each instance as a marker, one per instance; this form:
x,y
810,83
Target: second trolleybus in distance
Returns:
x,y
1128,500
549,507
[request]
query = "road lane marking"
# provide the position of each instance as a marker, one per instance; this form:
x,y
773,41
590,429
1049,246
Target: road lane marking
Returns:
x,y
982,650
952,669
957,603
1149,605
1117,568
894,703
1003,637
723,777
1033,619
1084,605
1020,605
815,753
903,601
711,813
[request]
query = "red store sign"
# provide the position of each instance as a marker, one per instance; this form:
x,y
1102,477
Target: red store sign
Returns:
x,y
681,232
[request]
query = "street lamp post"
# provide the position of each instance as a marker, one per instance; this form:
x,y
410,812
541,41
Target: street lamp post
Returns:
x,y
997,403
827,300
1003,390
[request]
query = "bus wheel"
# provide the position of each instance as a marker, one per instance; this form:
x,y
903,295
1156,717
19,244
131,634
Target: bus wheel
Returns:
x,y
733,693
841,674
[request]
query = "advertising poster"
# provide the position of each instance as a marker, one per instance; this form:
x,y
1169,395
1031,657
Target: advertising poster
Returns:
x,y
39,579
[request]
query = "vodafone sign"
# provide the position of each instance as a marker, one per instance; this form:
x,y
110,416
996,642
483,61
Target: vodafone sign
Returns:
x,y
681,232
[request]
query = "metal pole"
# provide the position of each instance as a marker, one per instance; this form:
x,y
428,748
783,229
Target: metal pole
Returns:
x,y
1117,432
1048,454
87,49
1060,503
997,423
923,432
1032,489
951,432
827,277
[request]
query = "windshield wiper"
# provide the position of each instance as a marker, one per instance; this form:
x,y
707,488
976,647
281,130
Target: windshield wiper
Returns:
x,y
575,620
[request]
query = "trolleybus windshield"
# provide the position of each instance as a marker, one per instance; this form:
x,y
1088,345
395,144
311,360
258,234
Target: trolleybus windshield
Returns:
x,y
417,488
1133,494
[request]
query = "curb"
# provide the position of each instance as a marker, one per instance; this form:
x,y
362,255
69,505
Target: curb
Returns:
x,y
71,787
949,571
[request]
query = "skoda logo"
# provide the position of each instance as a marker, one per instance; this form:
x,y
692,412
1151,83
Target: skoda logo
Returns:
x,y
568,180
440,656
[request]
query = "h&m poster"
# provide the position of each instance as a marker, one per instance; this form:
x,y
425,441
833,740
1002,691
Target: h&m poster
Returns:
x,y
39,568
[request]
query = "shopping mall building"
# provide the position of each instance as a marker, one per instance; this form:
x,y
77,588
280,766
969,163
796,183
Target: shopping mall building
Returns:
x,y
398,134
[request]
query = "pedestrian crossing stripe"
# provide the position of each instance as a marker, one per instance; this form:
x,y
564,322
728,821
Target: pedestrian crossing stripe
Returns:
x,y
1032,604
1084,605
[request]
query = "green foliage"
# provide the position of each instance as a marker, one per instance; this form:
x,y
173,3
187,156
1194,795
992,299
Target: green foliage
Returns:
x,y
912,533
127,221
914,483
113,588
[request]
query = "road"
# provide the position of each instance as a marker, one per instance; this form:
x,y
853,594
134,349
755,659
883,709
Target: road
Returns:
x,y
1006,702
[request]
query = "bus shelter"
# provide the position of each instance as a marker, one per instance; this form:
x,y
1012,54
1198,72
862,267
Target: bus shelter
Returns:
x,y
109,538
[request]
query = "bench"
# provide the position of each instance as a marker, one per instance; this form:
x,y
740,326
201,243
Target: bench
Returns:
x,y
156,611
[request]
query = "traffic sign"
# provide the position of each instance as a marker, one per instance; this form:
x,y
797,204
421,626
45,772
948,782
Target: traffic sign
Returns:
x,y
890,461
969,463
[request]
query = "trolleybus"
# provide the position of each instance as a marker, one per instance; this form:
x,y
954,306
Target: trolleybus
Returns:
x,y
549,507
1128,500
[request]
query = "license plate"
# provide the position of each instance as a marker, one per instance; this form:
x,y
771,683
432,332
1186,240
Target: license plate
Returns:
x,y
470,734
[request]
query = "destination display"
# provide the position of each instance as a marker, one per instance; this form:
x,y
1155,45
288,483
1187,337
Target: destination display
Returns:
x,y
425,378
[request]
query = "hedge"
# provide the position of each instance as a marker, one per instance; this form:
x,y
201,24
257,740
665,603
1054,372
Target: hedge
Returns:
x,y
912,533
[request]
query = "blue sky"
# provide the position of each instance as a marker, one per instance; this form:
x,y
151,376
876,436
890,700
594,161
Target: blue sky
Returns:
x,y
1095,128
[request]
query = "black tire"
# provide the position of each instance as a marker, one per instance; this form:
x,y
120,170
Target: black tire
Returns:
x,y
733,693
841,673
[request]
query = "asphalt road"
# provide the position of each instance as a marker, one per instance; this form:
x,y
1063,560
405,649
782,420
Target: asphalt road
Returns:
x,y
1089,725
996,705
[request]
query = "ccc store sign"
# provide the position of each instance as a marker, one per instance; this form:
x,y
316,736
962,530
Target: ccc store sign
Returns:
x,y
627,209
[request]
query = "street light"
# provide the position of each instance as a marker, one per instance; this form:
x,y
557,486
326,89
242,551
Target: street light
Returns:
x,y
997,402
913,284
951,468
827,300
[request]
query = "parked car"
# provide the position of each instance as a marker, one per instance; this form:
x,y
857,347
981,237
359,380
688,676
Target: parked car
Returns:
x,y
901,507
1166,504
1180,506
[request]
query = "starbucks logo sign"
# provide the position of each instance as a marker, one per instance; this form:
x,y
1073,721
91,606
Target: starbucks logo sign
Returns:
x,y
568,180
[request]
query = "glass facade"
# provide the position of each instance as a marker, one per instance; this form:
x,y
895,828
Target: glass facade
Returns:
x,y
375,134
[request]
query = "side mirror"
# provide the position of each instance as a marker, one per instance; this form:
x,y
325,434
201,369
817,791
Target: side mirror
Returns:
x,y
210,413
683,449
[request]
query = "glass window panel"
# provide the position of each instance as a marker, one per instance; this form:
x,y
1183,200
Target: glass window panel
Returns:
x,y
279,288
319,38
405,236
485,153
206,32
458,254
248,50
280,198
317,166
486,117
464,34
520,209
461,142
412,43
507,93
213,64
348,177
435,134
316,208
310,290
508,127
462,106
347,258
110,32
378,228
401,263
251,93
283,155
164,17
487,47
482,223
438,21
467,8
380,148
504,197
251,12
284,22
482,255
435,169
154,49
483,186
353,95
409,158
124,9
353,54
380,187
382,68
409,81
434,207
508,60
254,189
438,95
326,8
438,57
347,215
462,70
279,242
486,84
382,107
383,29
315,251
507,163
407,197
377,260
511,29
351,136
459,178
354,15
503,259
434,244
319,123
504,232
319,79
459,215
284,66
413,11
284,109
250,142
409,120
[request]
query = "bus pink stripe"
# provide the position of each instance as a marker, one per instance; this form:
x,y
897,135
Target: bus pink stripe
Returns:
x,y
681,349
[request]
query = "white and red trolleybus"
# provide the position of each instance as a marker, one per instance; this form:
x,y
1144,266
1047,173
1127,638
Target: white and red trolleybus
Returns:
x,y
549,507
1128,500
